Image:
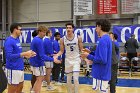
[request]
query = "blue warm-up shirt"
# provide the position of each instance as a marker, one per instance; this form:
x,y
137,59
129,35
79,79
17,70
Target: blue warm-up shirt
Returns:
x,y
37,46
101,67
13,49
56,48
48,46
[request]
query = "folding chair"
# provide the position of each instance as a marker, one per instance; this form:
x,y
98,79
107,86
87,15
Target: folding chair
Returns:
x,y
135,65
124,65
26,64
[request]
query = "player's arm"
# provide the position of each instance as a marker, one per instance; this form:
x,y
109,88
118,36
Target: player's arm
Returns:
x,y
41,53
61,47
9,51
80,44
102,56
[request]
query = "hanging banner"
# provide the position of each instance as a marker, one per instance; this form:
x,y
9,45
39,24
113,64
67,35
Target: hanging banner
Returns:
x,y
107,6
88,34
124,32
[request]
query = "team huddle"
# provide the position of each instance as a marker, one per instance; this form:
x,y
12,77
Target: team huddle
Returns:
x,y
43,58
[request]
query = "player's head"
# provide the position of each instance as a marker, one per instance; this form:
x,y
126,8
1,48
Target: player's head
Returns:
x,y
102,25
49,33
42,31
34,34
15,29
57,36
69,28
111,35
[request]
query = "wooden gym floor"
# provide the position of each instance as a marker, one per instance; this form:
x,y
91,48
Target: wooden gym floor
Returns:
x,y
82,89
86,88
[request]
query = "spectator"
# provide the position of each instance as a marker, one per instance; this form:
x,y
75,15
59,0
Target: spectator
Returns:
x,y
114,66
131,45
56,69
33,79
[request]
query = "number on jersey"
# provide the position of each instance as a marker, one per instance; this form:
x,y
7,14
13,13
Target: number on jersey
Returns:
x,y
71,48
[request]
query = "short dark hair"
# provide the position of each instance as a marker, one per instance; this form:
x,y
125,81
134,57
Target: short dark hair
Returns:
x,y
34,34
48,32
111,33
105,24
69,24
14,26
56,33
115,36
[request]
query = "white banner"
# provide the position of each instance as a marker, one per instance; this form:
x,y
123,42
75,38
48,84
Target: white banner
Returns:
x,y
130,6
136,6
82,7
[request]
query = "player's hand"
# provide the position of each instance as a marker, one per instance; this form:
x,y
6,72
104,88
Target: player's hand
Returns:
x,y
29,54
33,53
89,62
55,56
86,50
84,55
57,61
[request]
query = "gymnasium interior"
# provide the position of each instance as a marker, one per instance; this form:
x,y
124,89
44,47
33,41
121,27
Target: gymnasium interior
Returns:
x,y
124,16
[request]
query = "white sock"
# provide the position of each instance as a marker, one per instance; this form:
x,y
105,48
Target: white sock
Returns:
x,y
87,67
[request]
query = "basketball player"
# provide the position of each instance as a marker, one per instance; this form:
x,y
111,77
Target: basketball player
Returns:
x,y
33,79
14,60
37,62
114,66
101,67
56,68
72,44
48,48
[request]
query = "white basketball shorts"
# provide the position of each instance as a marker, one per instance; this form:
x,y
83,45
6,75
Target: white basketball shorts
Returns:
x,y
72,65
38,71
14,76
49,64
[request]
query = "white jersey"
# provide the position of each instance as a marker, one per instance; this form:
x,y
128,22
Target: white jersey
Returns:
x,y
72,48
45,37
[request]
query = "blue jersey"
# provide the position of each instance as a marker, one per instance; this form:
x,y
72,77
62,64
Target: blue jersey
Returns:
x,y
12,53
101,67
56,48
48,46
38,48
